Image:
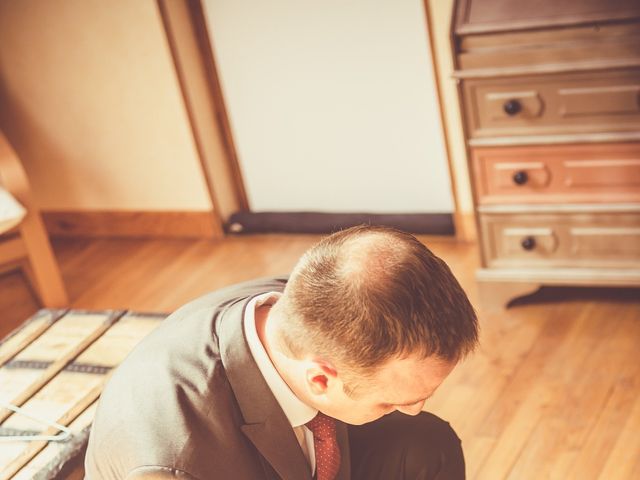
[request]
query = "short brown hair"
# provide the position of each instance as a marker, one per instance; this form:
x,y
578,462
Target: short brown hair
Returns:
x,y
366,294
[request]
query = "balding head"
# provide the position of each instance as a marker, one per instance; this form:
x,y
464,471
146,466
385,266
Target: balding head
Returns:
x,y
367,294
369,257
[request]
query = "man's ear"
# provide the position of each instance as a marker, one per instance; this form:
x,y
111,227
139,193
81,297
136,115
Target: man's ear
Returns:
x,y
320,376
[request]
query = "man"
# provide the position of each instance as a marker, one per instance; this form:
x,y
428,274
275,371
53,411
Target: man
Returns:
x,y
303,379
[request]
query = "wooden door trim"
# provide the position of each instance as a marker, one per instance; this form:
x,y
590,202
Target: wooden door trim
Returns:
x,y
192,54
465,227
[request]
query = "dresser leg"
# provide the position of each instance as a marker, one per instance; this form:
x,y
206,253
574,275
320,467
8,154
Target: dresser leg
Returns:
x,y
497,295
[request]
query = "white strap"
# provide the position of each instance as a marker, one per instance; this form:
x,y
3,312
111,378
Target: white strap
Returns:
x,y
63,435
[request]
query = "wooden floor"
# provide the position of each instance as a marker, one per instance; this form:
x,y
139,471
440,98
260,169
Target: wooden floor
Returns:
x,y
553,391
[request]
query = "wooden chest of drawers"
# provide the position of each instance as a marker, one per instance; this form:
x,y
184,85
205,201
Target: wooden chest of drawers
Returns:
x,y
551,111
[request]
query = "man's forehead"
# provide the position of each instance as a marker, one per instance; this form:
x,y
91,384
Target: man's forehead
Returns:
x,y
412,378
415,365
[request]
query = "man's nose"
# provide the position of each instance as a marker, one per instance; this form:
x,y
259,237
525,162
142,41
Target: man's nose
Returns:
x,y
414,409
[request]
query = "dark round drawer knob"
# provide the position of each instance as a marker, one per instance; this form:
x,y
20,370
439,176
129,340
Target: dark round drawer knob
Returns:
x,y
528,243
512,107
520,177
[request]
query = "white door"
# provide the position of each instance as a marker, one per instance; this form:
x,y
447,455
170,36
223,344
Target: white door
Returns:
x,y
332,104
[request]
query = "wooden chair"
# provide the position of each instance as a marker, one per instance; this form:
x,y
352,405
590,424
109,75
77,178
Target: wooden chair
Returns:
x,y
27,245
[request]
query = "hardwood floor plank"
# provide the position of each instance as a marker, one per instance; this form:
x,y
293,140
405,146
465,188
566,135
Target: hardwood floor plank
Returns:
x,y
519,406
624,459
17,301
552,391
574,410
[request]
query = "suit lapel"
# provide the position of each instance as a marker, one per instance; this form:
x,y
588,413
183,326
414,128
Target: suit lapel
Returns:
x,y
266,425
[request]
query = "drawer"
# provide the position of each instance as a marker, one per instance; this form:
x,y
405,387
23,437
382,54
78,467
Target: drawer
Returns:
x,y
486,16
573,103
562,239
586,173
563,48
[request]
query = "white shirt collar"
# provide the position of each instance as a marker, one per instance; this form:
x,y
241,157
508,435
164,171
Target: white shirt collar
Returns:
x,y
294,409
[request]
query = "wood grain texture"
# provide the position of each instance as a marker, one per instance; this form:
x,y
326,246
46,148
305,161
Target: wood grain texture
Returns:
x,y
30,331
597,173
605,240
587,138
556,103
558,48
131,224
552,392
12,249
489,16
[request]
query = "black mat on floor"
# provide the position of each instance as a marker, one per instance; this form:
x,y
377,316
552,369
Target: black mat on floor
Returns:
x,y
316,222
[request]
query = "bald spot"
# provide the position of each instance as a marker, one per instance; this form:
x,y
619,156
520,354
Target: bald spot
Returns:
x,y
370,258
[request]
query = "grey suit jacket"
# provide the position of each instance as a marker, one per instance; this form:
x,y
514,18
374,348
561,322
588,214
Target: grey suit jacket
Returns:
x,y
189,402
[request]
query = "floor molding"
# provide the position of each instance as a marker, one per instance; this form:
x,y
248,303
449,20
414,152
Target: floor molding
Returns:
x,y
138,224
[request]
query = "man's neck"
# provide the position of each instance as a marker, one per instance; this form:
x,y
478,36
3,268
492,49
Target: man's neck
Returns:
x,y
266,328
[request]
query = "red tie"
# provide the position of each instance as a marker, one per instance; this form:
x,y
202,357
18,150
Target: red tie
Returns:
x,y
326,446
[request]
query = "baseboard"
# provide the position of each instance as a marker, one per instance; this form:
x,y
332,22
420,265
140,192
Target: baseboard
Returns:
x,y
316,222
160,224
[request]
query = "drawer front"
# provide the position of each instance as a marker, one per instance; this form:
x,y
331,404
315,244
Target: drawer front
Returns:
x,y
559,47
587,173
597,240
573,103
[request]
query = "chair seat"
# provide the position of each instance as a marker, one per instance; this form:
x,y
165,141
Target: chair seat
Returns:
x,y
11,211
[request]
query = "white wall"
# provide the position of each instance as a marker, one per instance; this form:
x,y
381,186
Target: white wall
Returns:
x,y
332,104
90,99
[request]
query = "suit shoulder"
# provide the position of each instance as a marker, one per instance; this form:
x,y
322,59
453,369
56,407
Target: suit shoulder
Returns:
x,y
231,294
